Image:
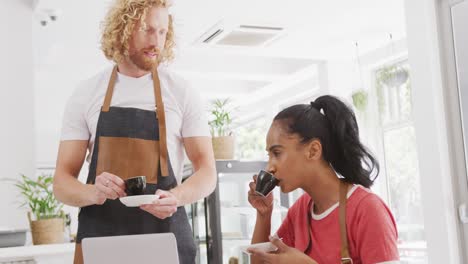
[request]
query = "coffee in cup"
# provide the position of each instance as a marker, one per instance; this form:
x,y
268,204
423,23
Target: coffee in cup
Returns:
x,y
135,185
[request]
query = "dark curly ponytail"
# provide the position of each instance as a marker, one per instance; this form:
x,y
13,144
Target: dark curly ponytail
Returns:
x,y
334,124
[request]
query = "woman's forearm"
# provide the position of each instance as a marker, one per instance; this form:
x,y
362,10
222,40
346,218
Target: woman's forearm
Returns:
x,y
261,232
262,228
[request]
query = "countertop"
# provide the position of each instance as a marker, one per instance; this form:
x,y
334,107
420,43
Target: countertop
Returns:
x,y
37,251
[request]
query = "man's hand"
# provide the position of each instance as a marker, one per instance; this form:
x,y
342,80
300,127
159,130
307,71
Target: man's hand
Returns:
x,y
108,186
164,207
284,254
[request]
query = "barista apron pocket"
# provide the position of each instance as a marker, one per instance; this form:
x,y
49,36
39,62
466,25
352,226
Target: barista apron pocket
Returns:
x,y
129,157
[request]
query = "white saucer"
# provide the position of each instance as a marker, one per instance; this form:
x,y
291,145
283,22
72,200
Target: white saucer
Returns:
x,y
137,200
264,247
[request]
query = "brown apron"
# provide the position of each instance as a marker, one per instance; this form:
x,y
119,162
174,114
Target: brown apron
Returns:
x,y
132,142
345,257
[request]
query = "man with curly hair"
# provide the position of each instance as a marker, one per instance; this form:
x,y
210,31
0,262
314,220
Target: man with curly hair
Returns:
x,y
135,119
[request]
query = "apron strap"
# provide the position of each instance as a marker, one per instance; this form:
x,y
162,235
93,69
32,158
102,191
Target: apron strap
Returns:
x,y
162,123
110,90
345,258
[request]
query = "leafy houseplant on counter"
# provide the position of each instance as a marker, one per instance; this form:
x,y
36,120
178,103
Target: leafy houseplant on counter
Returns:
x,y
47,220
223,140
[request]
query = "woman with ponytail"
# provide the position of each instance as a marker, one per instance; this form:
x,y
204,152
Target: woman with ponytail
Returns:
x,y
316,147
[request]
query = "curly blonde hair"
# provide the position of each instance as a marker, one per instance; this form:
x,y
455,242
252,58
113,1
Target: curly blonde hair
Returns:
x,y
119,24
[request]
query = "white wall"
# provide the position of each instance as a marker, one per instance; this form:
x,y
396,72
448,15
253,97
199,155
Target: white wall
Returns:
x,y
66,52
16,106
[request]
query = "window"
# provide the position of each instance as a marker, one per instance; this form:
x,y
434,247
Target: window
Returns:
x,y
399,160
250,139
251,135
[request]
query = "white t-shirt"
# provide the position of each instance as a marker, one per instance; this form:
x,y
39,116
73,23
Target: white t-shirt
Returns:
x,y
185,113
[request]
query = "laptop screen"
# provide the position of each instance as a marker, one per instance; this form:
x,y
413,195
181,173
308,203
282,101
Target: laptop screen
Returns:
x,y
142,249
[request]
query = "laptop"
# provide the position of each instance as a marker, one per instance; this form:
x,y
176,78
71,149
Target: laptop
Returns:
x,y
141,249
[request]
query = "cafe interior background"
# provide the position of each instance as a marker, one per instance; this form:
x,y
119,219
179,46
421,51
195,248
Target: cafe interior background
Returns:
x,y
264,55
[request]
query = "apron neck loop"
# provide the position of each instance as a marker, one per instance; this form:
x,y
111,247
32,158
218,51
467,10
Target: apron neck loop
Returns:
x,y
162,122
159,114
110,90
345,258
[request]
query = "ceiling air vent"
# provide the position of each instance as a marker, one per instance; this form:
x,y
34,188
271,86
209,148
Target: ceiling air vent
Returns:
x,y
240,35
212,36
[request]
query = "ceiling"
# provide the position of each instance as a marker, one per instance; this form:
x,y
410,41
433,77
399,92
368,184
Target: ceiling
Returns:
x,y
314,32
314,29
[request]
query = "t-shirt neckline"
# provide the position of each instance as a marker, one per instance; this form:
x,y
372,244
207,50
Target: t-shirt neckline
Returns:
x,y
333,207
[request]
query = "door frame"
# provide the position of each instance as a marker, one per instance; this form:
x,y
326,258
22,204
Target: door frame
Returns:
x,y
438,125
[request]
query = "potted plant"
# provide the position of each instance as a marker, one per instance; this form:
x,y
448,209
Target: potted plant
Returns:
x,y
46,217
393,76
222,138
360,100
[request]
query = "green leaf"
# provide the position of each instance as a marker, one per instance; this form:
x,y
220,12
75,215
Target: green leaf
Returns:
x,y
38,195
221,118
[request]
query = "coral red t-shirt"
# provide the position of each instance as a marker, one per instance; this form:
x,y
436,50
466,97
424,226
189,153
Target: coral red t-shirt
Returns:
x,y
372,232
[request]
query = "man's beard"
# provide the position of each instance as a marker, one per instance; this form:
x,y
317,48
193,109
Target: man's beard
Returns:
x,y
140,60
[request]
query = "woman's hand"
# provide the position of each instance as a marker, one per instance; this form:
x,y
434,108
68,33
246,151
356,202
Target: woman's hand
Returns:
x,y
108,186
264,205
284,254
164,207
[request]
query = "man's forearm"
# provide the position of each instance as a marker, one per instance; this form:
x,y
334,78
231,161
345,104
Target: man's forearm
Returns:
x,y
201,184
70,191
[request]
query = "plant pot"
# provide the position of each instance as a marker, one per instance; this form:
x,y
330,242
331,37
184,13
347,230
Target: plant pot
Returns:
x,y
397,78
223,147
47,231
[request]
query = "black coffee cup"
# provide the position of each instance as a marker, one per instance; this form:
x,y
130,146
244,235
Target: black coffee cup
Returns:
x,y
135,185
266,182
